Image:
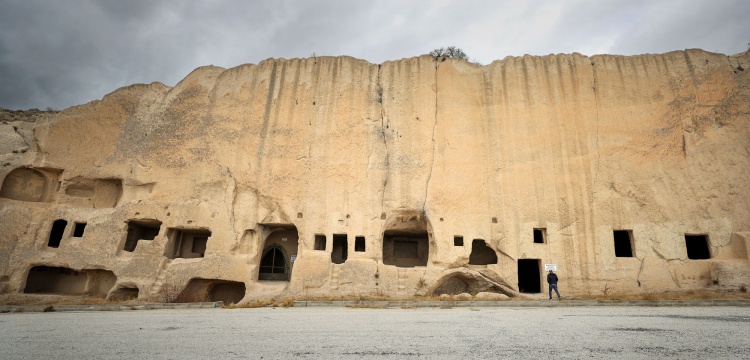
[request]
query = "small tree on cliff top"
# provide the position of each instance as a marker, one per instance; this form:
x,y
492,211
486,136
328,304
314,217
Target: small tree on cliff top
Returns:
x,y
450,52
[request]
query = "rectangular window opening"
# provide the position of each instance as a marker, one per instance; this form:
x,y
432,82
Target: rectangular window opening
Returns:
x,y
540,236
56,233
623,243
145,229
187,243
458,240
320,242
78,229
697,247
359,244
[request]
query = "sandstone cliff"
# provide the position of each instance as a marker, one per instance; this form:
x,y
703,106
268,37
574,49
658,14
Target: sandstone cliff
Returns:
x,y
333,176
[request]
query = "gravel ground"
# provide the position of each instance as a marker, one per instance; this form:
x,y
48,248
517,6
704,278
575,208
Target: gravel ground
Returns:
x,y
335,333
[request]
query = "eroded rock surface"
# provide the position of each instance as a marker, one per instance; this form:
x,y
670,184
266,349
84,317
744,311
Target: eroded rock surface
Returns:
x,y
332,177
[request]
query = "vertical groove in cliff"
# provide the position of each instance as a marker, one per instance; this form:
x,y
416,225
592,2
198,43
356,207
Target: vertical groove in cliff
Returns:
x,y
233,203
386,165
596,107
432,161
266,114
487,96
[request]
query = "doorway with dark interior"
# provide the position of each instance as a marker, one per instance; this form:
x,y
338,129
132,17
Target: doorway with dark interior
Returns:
x,y
529,277
340,249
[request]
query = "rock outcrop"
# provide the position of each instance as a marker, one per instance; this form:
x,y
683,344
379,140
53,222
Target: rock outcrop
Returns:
x,y
331,176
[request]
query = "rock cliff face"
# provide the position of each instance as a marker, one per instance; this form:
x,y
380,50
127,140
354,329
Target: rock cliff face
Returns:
x,y
337,177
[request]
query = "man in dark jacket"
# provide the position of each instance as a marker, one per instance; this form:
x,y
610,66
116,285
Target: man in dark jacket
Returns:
x,y
552,281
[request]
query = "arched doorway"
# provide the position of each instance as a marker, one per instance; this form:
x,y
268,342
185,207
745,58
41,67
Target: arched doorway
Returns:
x,y
279,252
273,264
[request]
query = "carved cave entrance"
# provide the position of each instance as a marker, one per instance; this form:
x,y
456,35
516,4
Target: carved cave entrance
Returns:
x,y
529,277
56,234
140,229
197,289
481,254
697,247
623,243
65,281
340,249
279,252
404,249
273,265
406,239
186,243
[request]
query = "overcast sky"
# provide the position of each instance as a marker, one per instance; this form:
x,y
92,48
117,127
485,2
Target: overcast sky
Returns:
x,y
63,53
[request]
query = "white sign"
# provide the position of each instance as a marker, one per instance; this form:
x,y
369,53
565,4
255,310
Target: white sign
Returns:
x,y
548,267
292,258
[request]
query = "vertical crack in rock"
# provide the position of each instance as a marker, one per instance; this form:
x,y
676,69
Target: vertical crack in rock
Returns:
x,y
662,257
432,161
386,164
598,151
640,270
233,185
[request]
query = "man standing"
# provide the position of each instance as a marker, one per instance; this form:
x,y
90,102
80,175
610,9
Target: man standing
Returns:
x,y
552,281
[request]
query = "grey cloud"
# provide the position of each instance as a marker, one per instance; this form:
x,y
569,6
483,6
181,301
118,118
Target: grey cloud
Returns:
x,y
721,26
62,53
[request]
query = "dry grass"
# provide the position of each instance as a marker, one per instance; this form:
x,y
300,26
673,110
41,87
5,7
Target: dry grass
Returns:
x,y
48,300
191,298
421,284
449,304
366,306
453,298
251,304
671,295
170,291
283,302
359,297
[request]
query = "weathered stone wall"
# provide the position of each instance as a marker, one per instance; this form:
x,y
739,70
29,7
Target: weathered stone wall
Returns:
x,y
418,148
